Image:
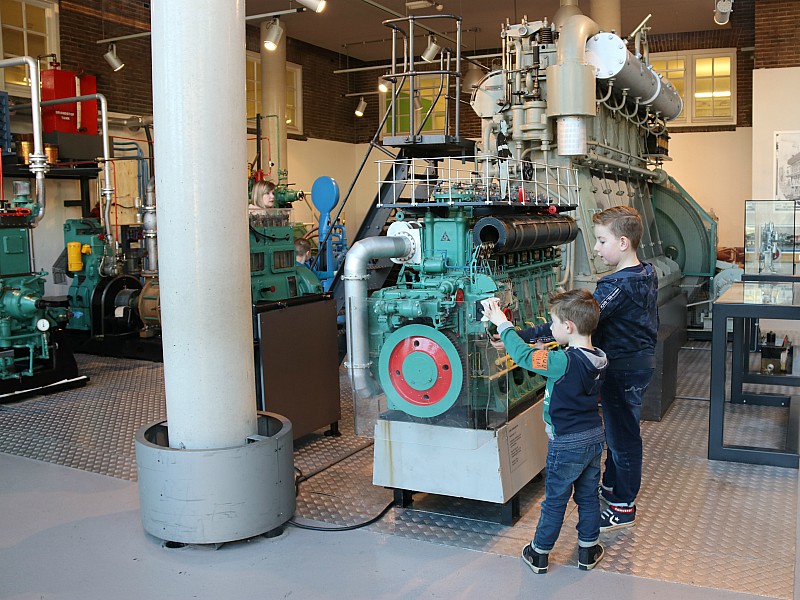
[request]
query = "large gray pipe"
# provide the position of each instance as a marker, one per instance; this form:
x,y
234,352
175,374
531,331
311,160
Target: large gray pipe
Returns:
x,y
357,308
37,160
571,85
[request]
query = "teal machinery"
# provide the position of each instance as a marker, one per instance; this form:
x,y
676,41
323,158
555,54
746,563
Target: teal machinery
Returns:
x,y
114,295
33,357
573,122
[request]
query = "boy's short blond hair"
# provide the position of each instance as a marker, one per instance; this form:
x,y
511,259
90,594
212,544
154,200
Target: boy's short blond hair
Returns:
x,y
578,306
622,221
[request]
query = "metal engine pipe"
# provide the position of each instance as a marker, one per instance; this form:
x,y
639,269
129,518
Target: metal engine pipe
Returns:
x,y
357,308
38,160
149,229
509,234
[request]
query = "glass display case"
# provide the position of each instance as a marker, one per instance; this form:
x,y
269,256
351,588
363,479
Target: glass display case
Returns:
x,y
771,237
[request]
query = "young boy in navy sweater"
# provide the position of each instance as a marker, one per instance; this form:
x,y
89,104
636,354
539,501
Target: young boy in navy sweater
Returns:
x,y
627,331
572,422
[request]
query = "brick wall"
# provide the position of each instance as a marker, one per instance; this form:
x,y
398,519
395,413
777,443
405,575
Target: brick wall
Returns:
x,y
777,33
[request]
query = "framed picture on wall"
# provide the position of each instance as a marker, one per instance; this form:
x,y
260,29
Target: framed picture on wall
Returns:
x,y
786,169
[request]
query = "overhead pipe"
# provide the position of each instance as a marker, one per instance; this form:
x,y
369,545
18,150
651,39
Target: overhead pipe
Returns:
x,y
37,160
107,191
355,290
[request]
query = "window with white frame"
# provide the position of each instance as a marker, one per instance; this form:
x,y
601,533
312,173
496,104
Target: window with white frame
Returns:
x,y
706,80
294,92
28,28
429,96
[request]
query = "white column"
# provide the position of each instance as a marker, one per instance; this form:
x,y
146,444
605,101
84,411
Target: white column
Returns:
x,y
273,101
204,257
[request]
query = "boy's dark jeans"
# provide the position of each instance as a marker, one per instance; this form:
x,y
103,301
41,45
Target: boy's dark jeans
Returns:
x,y
575,467
621,397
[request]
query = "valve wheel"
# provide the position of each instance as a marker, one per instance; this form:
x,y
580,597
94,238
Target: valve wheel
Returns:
x,y
421,370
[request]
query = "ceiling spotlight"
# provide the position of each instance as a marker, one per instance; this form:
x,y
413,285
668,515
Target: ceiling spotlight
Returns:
x,y
316,5
112,59
422,4
722,11
382,87
417,102
362,106
273,35
471,78
432,50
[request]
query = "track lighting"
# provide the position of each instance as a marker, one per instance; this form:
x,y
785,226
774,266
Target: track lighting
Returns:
x,y
112,59
362,106
273,35
722,11
316,5
432,50
382,87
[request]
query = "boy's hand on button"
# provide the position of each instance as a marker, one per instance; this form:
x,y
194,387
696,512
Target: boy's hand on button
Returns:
x,y
491,308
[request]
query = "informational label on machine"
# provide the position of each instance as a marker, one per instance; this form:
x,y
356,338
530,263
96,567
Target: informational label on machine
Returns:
x,y
515,448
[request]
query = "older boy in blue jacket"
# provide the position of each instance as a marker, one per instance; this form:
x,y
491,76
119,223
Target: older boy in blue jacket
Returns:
x,y
572,422
627,331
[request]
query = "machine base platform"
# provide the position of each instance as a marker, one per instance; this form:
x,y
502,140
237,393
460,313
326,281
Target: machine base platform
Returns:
x,y
488,465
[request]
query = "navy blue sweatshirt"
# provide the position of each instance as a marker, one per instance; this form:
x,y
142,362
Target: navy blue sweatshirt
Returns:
x,y
628,327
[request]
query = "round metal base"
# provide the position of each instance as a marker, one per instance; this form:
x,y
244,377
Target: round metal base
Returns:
x,y
218,495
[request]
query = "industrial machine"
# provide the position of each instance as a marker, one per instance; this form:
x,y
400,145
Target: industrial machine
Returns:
x,y
32,359
573,122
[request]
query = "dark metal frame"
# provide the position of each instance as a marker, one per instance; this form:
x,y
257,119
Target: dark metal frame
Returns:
x,y
743,316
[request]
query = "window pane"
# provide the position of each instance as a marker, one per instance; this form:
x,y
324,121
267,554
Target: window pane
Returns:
x,y
704,67
12,13
722,107
13,42
704,87
16,75
722,66
35,19
251,109
290,112
722,84
703,107
37,45
659,65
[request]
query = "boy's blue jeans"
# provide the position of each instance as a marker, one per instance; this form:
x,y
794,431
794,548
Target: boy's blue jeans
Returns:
x,y
621,396
575,468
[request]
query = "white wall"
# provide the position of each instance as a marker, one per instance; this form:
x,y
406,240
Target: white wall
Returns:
x,y
775,94
716,169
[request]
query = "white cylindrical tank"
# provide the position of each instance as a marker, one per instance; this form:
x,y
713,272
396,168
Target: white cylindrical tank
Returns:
x,y
610,57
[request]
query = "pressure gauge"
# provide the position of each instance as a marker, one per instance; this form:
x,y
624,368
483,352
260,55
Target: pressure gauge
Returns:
x,y
42,324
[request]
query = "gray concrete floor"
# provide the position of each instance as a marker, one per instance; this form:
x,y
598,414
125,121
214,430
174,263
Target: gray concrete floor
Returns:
x,y
67,533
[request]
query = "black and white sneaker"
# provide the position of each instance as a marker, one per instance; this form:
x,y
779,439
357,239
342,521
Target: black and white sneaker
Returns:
x,y
617,517
537,561
589,557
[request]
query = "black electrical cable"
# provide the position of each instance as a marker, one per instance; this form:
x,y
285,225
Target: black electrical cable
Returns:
x,y
300,478
346,528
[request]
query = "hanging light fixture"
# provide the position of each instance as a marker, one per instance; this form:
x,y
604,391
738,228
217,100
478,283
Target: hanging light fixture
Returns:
x,y
362,106
432,50
417,101
316,5
383,86
273,35
112,59
722,11
471,78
